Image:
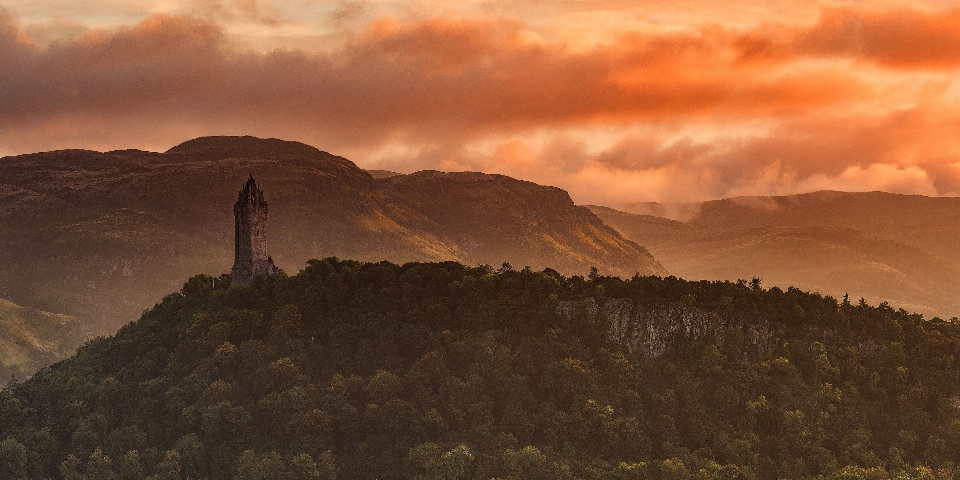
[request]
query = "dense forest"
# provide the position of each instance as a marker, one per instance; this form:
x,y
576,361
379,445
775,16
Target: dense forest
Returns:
x,y
443,371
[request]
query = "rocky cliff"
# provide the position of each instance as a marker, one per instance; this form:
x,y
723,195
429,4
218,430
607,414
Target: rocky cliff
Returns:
x,y
651,329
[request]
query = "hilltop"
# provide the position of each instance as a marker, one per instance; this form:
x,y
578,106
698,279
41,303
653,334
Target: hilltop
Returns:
x,y
439,370
103,235
900,249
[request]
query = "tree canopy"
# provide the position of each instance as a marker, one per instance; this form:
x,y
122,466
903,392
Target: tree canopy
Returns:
x,y
444,371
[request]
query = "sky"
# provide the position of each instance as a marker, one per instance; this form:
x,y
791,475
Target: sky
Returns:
x,y
615,101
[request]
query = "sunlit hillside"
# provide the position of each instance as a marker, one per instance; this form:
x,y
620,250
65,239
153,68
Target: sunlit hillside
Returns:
x,y
30,339
103,236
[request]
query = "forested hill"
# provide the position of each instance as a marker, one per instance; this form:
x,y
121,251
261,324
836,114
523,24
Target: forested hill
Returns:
x,y
438,370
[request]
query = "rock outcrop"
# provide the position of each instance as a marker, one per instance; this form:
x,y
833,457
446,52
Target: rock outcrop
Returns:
x,y
651,330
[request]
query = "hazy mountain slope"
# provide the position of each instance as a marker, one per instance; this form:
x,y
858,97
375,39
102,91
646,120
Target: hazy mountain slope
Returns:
x,y
647,230
30,339
498,217
382,173
750,240
930,223
105,235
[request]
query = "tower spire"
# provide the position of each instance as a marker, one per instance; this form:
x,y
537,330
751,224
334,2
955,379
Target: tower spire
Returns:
x,y
250,257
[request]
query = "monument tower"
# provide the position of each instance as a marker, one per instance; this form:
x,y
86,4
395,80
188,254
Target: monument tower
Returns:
x,y
250,242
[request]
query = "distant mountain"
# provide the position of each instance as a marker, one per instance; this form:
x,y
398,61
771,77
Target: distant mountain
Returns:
x,y
382,173
30,339
105,235
901,249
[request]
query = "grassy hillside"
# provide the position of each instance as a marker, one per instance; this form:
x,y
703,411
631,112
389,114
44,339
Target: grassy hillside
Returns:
x,y
882,247
929,223
439,370
102,236
30,339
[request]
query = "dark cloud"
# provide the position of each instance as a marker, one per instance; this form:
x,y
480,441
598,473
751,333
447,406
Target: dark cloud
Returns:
x,y
899,38
435,88
425,79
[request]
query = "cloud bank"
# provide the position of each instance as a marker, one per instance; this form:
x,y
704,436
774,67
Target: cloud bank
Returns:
x,y
858,98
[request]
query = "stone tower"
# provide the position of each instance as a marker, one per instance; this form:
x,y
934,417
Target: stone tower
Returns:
x,y
250,240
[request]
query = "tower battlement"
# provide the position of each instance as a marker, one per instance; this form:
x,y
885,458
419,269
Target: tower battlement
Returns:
x,y
250,240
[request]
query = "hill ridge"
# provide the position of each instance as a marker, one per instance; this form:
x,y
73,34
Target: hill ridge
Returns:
x,y
884,247
110,263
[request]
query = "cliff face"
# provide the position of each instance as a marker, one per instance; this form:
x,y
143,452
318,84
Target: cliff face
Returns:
x,y
651,330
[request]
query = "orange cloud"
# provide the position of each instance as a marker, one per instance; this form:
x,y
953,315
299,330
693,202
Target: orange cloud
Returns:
x,y
897,37
686,115
901,152
425,78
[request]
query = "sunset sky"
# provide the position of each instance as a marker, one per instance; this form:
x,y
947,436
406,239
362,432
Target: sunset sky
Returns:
x,y
674,100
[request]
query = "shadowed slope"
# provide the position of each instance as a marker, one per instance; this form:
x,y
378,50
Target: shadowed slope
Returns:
x,y
498,217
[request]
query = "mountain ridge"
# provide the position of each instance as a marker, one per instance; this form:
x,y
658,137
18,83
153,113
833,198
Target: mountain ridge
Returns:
x,y
884,247
102,235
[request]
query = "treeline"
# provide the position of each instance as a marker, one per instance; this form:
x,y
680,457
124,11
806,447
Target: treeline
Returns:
x,y
443,371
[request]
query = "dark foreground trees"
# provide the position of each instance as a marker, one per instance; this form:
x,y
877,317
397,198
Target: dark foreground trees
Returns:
x,y
442,371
